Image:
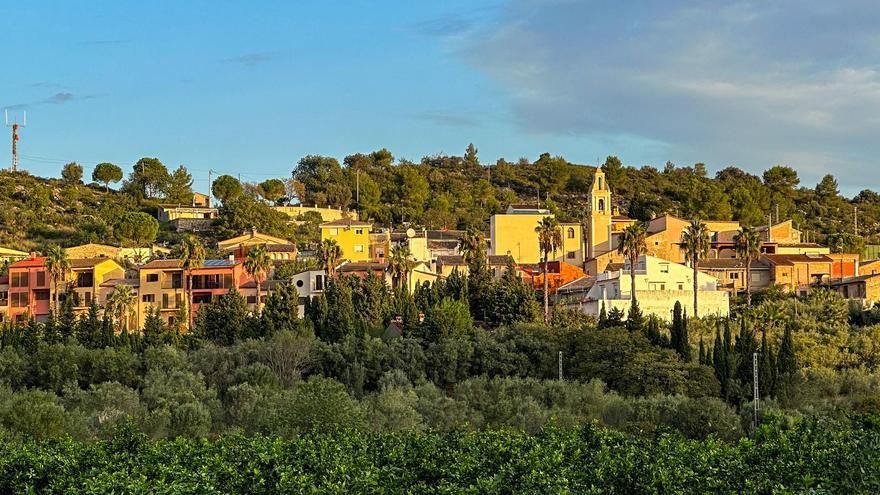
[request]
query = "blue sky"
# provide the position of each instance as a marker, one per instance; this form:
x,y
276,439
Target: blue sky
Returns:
x,y
250,88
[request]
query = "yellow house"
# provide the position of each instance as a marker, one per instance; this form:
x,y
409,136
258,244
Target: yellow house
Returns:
x,y
356,240
88,276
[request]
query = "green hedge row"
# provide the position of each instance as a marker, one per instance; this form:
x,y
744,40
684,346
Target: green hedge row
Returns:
x,y
813,455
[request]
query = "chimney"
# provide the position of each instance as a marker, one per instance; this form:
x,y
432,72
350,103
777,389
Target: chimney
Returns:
x,y
231,257
253,231
33,255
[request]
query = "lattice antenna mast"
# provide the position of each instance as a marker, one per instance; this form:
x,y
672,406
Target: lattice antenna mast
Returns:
x,y
15,126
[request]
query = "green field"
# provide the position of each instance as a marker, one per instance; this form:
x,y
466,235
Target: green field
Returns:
x,y
810,456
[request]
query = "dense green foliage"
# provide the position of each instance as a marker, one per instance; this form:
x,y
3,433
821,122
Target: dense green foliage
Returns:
x,y
812,456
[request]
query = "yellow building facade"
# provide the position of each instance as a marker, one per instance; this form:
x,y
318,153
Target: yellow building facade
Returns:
x,y
357,240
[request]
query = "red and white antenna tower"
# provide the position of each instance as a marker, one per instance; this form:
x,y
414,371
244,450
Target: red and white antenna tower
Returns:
x,y
15,125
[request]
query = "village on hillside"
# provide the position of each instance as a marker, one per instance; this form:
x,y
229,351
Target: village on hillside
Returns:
x,y
586,266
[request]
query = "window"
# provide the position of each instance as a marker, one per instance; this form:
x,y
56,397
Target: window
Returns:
x,y
41,295
333,231
152,277
359,248
19,279
87,298
252,299
570,255
319,282
571,233
359,231
202,298
664,268
41,279
601,204
299,283
600,183
680,286
4,297
734,276
19,299
85,279
148,298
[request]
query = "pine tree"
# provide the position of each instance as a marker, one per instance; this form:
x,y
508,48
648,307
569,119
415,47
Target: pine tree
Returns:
x,y
615,318
787,361
50,329
88,330
67,320
30,336
154,327
635,319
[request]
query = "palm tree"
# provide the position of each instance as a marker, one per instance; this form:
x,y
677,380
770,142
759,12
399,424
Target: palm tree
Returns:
x,y
632,245
748,247
549,240
58,266
400,264
328,256
695,240
192,255
257,264
120,302
473,248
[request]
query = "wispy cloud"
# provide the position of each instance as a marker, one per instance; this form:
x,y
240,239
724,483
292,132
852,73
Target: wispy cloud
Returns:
x,y
727,83
446,119
251,59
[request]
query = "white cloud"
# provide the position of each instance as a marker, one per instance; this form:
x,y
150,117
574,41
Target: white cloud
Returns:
x,y
745,83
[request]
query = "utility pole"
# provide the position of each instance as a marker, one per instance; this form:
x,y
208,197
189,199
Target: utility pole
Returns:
x,y
856,219
755,371
15,125
560,365
210,193
358,192
777,212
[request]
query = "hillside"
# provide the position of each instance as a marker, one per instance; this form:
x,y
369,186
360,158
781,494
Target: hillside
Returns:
x,y
444,192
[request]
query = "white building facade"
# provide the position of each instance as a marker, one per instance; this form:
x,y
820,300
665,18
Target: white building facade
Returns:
x,y
659,285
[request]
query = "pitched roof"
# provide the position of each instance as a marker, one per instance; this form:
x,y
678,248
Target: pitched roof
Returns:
x,y
29,262
12,252
113,282
88,262
850,280
582,284
792,259
162,264
345,222
359,266
257,237
458,260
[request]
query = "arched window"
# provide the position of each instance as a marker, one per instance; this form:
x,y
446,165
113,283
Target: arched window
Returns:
x,y
571,233
601,204
600,184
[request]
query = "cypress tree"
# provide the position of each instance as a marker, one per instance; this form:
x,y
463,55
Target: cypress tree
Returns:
x,y
88,330
684,344
30,335
67,320
745,347
50,329
603,317
787,361
108,335
765,368
702,353
675,330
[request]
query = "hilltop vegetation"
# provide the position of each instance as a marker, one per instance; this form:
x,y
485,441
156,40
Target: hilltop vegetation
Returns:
x,y
454,192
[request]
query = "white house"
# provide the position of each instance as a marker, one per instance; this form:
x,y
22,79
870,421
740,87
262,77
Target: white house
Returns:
x,y
659,284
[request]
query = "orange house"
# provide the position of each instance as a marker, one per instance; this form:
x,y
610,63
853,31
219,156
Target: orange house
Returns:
x,y
559,273
29,286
